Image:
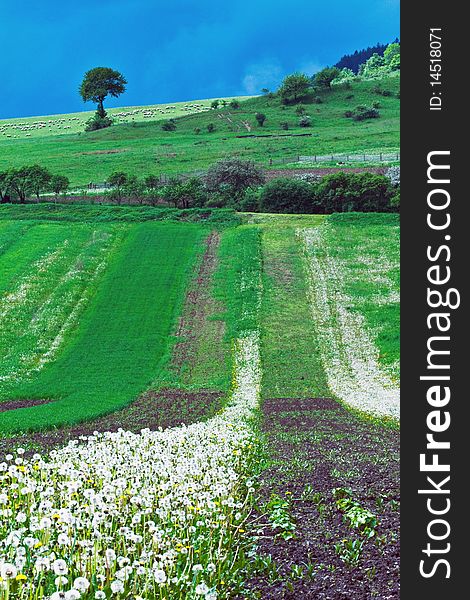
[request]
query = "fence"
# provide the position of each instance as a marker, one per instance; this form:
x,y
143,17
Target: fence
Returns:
x,y
339,158
365,157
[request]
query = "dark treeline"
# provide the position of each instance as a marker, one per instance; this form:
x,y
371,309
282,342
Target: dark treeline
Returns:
x,y
354,60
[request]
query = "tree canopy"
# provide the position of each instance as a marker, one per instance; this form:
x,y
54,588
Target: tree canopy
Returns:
x,y
324,77
294,88
100,82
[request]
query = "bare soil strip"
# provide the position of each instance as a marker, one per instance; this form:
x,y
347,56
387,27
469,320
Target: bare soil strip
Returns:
x,y
199,307
24,403
316,445
165,408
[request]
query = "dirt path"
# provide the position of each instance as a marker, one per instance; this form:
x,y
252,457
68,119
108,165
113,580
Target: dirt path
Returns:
x,y
317,446
196,328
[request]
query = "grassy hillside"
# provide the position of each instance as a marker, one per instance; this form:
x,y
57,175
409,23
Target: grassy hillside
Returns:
x,y
142,147
44,126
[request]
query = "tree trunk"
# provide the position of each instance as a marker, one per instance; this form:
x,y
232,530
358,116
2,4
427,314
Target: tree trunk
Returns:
x,y
101,112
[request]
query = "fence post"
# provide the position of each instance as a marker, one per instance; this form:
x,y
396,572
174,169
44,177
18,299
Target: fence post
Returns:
x,y
381,157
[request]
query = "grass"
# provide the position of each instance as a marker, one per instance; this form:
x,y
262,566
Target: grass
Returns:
x,y
24,127
143,147
109,214
45,300
368,246
237,281
289,348
122,337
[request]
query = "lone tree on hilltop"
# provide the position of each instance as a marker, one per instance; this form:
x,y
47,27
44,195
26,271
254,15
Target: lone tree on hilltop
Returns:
x,y
99,83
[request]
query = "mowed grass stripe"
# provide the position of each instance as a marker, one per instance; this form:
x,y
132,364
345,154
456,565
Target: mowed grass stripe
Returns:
x,y
123,336
27,247
289,348
10,232
34,328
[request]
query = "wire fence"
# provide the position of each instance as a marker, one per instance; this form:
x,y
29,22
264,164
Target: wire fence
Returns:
x,y
363,157
339,158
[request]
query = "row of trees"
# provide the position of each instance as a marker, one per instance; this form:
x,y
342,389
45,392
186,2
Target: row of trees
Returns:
x,y
20,184
297,87
229,183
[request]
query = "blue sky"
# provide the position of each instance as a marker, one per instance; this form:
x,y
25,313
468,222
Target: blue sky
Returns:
x,y
175,49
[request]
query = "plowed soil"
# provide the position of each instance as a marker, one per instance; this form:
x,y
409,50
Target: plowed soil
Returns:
x,y
316,445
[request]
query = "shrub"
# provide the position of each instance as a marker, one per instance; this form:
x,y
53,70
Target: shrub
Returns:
x,y
284,125
210,127
347,192
317,100
395,201
117,181
234,104
261,118
361,113
59,184
197,130
187,193
215,103
325,77
376,104
233,176
294,88
98,122
300,110
286,195
305,121
250,201
169,125
152,182
134,189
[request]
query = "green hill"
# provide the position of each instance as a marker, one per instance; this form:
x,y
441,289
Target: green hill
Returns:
x,y
137,143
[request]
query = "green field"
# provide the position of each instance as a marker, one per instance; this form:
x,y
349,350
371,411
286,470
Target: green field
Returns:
x,y
90,309
368,247
143,147
117,343
251,330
